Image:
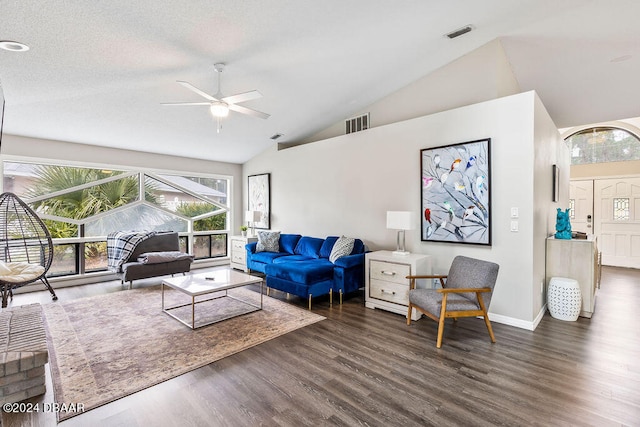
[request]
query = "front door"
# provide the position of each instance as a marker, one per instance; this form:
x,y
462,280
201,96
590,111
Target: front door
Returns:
x,y
581,195
617,220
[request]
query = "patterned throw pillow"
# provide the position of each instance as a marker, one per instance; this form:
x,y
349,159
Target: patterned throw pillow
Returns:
x,y
268,241
342,247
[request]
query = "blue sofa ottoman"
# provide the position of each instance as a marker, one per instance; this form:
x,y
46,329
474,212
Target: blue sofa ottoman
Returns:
x,y
303,278
301,266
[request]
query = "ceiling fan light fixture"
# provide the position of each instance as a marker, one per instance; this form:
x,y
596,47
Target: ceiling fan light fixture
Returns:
x,y
219,109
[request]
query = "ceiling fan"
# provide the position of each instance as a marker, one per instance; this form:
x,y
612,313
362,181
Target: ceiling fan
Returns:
x,y
219,104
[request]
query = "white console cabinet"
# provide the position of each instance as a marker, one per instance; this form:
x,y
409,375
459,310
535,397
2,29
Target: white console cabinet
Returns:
x,y
239,253
576,259
386,285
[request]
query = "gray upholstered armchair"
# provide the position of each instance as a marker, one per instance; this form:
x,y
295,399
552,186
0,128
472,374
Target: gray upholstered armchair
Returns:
x,y
466,292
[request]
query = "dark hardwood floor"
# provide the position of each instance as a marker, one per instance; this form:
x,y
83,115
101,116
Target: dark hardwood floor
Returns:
x,y
366,367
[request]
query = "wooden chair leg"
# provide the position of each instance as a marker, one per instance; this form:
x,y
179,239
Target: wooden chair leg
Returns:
x,y
443,310
488,323
330,297
486,318
409,314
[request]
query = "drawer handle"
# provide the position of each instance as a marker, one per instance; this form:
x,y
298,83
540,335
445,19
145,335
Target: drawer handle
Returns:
x,y
387,292
388,273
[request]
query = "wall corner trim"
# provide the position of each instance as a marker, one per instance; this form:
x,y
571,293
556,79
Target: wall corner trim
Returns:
x,y
519,323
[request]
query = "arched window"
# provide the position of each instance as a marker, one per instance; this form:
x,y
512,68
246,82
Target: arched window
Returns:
x,y
603,144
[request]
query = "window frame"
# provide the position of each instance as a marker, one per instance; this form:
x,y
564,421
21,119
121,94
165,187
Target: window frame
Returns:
x,y
79,241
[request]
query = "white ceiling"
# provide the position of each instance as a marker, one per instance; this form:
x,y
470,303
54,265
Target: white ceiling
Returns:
x,y
97,71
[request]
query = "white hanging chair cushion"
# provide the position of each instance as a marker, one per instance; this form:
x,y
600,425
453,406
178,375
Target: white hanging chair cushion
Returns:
x,y
19,272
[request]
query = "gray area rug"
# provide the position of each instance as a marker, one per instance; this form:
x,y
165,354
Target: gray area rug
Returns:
x,y
106,347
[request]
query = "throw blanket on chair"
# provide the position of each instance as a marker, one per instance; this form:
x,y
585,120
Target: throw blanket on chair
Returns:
x,y
120,246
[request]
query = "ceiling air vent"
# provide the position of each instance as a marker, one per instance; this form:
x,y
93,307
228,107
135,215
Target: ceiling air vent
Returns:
x,y
276,136
356,124
460,31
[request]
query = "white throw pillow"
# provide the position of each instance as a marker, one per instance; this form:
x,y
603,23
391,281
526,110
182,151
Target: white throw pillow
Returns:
x,y
342,247
268,241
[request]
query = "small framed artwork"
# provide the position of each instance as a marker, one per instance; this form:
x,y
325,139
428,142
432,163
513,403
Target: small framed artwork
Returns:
x,y
456,193
556,182
259,193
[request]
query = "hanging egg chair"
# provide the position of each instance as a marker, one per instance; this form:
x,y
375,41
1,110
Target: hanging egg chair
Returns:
x,y
26,249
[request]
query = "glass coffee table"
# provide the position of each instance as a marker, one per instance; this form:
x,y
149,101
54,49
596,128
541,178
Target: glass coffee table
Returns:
x,y
215,282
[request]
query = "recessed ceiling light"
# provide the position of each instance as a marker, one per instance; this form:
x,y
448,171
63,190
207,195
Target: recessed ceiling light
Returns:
x,y
13,46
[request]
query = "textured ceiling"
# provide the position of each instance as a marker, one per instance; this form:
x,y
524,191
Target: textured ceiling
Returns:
x,y
97,72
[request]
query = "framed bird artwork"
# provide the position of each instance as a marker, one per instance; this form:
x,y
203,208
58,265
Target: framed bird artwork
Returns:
x,y
456,193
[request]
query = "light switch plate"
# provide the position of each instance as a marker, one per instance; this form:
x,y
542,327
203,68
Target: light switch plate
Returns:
x,y
514,225
514,212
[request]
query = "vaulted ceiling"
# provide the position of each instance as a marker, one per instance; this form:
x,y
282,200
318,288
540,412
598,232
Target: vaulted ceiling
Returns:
x,y
97,72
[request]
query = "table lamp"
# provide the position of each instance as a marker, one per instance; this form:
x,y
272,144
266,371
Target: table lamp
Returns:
x,y
401,221
251,217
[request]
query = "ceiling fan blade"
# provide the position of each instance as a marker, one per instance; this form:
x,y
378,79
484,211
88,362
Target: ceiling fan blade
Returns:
x,y
198,91
185,103
248,111
242,97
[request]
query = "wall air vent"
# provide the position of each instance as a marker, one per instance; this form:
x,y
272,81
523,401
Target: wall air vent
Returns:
x,y
357,124
460,31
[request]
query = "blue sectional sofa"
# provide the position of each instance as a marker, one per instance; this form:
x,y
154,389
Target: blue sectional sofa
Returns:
x,y
302,267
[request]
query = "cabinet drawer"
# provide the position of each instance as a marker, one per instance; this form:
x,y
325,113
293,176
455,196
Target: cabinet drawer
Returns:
x,y
238,257
238,245
389,271
389,291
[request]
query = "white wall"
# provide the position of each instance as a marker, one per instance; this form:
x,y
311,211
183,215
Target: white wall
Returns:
x,y
18,147
345,185
549,149
478,76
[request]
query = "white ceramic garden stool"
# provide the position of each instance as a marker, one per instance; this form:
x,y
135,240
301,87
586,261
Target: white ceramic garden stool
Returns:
x,y
564,298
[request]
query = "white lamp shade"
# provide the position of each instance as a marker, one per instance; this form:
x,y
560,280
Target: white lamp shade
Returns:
x,y
400,220
252,216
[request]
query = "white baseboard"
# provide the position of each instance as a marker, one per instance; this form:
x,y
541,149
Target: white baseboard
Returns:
x,y
519,323
540,315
